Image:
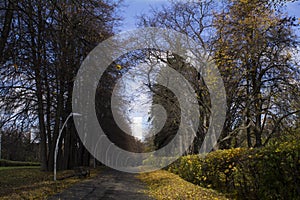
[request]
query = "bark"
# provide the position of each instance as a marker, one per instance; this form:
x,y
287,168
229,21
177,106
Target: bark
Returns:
x,y
39,92
6,28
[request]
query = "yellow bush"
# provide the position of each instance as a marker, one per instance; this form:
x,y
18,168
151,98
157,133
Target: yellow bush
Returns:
x,y
272,172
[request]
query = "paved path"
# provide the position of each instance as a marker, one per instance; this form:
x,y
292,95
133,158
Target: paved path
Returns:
x,y
109,184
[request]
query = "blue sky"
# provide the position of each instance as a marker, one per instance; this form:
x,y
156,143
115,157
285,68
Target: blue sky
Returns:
x,y
294,9
137,7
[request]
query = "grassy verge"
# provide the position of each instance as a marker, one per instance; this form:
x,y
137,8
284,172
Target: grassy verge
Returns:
x,y
7,163
165,185
21,167
31,183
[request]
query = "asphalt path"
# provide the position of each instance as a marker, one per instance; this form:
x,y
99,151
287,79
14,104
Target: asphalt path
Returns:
x,y
109,184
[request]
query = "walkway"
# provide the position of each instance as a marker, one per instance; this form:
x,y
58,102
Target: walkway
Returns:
x,y
109,184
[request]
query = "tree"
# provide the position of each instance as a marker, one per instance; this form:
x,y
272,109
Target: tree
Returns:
x,y
252,50
118,133
193,18
44,44
252,44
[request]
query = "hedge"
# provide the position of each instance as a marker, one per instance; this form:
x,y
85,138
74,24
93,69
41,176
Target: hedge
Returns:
x,y
10,163
268,173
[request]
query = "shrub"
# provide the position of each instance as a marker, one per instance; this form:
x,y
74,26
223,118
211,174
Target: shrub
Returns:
x,y
268,173
157,161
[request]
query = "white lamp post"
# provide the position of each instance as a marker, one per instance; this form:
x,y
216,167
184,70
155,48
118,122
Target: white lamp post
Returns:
x,y
57,141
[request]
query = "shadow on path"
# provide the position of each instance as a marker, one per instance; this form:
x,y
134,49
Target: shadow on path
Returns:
x,y
109,184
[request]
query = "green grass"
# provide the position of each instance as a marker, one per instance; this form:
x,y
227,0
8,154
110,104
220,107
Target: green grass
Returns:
x,y
31,183
7,163
19,167
165,185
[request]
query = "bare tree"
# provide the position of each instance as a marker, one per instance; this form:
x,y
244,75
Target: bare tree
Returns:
x,y
42,47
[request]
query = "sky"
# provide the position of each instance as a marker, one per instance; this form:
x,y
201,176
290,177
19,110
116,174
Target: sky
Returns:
x,y
132,88
294,9
135,8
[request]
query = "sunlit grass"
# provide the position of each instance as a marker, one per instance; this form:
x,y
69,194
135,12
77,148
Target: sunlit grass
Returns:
x,y
21,167
165,185
31,183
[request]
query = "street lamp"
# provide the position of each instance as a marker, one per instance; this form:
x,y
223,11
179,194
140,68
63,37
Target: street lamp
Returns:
x,y
58,138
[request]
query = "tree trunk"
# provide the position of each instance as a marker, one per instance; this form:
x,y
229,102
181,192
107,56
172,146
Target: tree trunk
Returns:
x,y
44,164
38,83
6,28
258,122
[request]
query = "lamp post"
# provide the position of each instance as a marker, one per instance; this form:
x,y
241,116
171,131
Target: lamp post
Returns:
x,y
57,141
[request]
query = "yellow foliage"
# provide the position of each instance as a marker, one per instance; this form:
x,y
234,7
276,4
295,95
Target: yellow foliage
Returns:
x,y
15,66
244,1
118,67
165,185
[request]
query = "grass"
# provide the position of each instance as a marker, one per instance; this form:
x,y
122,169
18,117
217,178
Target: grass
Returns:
x,y
21,167
31,183
165,185
7,163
